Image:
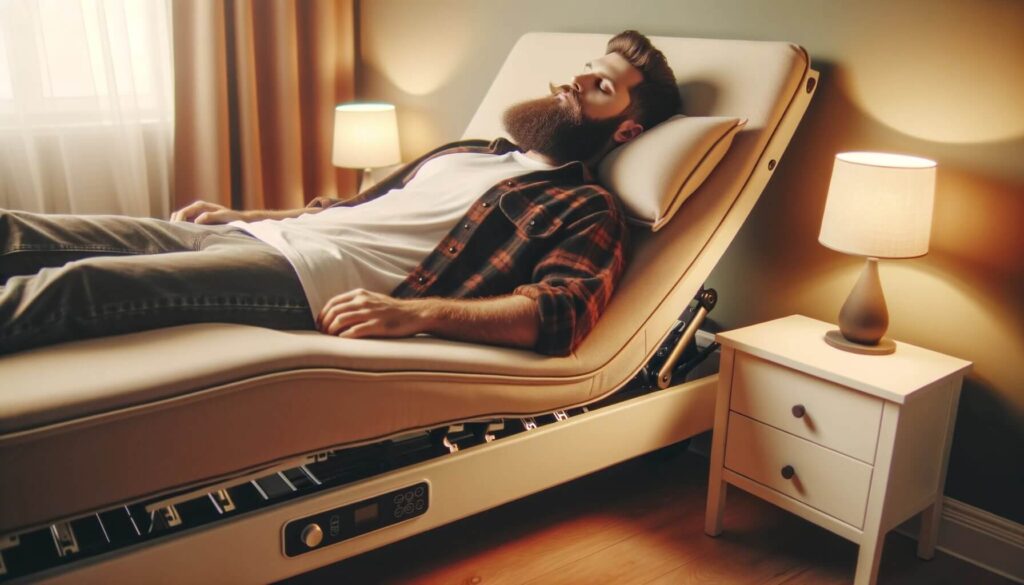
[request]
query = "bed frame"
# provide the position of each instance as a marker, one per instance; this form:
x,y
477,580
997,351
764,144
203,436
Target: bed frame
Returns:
x,y
259,546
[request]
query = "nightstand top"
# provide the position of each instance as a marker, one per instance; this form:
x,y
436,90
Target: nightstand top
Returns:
x,y
799,343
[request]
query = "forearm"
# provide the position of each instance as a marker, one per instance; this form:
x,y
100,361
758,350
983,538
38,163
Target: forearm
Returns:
x,y
510,320
259,214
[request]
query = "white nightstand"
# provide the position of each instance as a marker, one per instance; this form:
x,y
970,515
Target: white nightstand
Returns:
x,y
854,443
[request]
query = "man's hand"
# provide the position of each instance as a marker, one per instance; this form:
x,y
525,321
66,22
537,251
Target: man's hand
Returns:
x,y
362,313
204,212
510,320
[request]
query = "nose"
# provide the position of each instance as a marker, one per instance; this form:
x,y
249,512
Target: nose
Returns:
x,y
579,82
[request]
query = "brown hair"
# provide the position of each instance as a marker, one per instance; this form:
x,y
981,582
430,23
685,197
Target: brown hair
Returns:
x,y
656,98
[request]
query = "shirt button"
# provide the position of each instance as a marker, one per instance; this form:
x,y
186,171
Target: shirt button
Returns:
x,y
421,279
465,226
533,222
485,204
451,250
509,183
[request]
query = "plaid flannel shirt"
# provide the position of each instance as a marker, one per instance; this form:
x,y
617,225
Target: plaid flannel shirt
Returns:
x,y
554,236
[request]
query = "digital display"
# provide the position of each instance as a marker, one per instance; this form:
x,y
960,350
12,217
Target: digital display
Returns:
x,y
366,514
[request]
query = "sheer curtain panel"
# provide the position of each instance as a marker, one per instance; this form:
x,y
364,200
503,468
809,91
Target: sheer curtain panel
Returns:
x,y
86,106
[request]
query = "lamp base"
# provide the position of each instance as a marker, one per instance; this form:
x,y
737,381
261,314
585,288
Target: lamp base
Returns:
x,y
835,338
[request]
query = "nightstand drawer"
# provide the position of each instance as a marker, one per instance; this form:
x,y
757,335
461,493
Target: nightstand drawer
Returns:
x,y
823,479
831,415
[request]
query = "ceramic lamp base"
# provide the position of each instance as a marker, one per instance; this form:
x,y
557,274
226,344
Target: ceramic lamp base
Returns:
x,y
884,346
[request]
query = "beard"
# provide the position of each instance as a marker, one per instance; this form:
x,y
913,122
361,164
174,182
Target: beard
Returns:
x,y
557,129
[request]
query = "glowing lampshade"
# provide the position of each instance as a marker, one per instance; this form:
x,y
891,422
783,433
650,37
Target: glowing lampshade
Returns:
x,y
879,205
365,136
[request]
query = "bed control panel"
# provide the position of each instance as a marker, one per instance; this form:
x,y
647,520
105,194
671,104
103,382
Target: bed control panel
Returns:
x,y
331,526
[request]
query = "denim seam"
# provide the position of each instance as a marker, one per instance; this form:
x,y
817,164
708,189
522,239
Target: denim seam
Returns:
x,y
76,248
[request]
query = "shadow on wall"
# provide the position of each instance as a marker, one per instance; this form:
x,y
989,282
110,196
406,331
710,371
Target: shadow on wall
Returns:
x,y
987,429
965,298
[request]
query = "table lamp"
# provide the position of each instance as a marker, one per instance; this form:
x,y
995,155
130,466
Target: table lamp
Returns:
x,y
879,206
365,137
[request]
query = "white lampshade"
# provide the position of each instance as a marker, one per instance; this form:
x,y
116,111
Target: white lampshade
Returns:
x,y
365,136
879,205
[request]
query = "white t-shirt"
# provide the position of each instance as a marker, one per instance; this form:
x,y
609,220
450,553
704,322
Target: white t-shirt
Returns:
x,y
376,244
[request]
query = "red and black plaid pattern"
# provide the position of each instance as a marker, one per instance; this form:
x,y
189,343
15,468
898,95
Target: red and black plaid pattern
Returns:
x,y
554,236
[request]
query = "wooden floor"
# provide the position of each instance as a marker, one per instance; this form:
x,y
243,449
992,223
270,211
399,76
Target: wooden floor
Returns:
x,y
638,522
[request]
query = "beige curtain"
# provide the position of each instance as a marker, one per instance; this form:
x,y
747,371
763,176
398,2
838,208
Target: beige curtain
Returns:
x,y
256,82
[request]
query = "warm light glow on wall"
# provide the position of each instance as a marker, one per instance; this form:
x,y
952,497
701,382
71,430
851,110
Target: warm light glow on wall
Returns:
x,y
933,79
422,59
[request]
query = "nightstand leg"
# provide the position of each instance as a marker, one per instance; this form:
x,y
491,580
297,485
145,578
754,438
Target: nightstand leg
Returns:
x,y
929,532
931,515
716,505
868,559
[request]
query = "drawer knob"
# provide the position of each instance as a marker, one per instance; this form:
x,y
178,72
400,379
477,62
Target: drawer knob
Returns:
x,y
788,472
799,411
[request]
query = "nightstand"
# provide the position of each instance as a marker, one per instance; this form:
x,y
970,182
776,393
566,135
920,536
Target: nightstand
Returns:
x,y
855,443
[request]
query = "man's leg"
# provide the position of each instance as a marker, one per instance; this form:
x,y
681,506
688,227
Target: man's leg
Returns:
x,y
233,278
31,241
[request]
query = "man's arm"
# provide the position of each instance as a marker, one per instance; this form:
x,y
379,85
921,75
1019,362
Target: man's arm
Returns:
x,y
510,320
204,212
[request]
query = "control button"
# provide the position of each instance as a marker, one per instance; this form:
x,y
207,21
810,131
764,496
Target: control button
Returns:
x,y
409,496
399,498
419,505
312,535
409,508
419,492
398,512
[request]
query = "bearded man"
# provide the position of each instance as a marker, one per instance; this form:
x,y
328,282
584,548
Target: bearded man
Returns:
x,y
501,243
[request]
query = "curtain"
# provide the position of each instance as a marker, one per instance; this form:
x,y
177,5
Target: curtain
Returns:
x,y
86,106
256,86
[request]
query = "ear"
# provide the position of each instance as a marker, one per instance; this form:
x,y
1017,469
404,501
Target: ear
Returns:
x,y
627,130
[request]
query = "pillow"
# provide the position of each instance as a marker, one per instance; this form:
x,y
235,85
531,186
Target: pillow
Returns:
x,y
655,172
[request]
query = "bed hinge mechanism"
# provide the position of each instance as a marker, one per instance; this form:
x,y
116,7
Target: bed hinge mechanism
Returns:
x,y
684,331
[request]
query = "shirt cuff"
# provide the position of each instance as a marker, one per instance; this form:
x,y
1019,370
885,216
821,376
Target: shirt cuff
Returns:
x,y
557,318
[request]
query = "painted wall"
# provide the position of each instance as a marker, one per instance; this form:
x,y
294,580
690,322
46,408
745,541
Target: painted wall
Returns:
x,y
939,79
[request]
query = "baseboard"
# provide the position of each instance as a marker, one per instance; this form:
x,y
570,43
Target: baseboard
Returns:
x,y
978,537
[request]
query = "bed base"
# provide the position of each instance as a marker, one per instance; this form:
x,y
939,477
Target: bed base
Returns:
x,y
250,547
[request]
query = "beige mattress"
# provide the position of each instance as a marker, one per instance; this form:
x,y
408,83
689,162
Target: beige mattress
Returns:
x,y
86,425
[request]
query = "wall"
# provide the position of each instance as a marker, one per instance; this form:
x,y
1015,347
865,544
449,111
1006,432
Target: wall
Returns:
x,y
937,79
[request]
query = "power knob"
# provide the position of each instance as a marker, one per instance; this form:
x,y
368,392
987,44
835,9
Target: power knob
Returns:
x,y
312,535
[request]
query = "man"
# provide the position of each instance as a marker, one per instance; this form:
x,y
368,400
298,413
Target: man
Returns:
x,y
491,243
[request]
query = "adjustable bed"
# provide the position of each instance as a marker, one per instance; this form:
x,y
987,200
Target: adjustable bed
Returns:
x,y
249,455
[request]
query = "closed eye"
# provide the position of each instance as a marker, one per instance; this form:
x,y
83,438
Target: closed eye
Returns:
x,y
603,83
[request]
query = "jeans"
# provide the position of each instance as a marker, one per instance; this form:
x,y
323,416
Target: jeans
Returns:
x,y
65,277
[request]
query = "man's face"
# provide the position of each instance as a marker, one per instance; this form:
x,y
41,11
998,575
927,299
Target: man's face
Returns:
x,y
602,89
580,118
